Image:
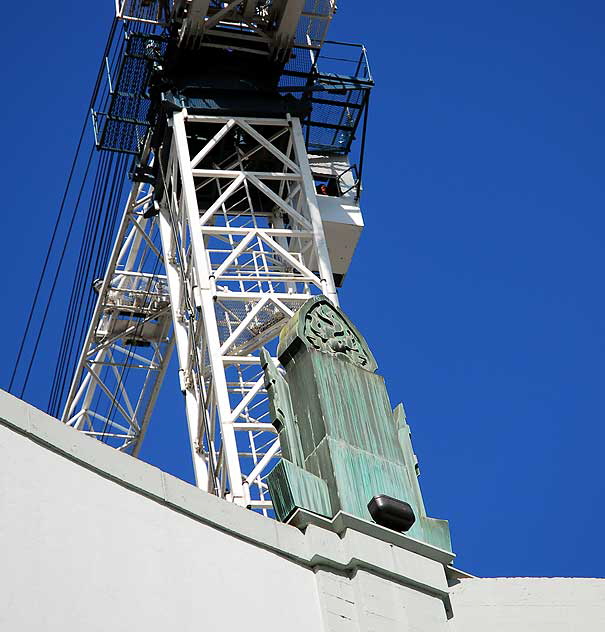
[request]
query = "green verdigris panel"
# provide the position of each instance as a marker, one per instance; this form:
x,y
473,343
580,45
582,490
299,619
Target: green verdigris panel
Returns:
x,y
339,419
280,409
431,530
292,487
310,415
361,471
360,474
355,406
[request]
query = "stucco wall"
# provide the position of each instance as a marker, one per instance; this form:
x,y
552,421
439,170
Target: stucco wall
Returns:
x,y
529,604
91,539
81,553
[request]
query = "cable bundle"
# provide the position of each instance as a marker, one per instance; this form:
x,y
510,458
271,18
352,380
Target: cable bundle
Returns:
x,y
77,253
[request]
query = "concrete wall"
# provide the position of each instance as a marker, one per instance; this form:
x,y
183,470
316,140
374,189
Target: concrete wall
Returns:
x,y
91,539
82,553
529,604
369,603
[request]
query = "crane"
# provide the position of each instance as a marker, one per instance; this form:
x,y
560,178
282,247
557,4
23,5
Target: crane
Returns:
x,y
240,119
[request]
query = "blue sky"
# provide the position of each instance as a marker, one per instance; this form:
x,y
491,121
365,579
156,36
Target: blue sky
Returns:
x,y
478,279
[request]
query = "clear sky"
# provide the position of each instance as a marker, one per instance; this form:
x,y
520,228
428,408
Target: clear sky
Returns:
x,y
478,281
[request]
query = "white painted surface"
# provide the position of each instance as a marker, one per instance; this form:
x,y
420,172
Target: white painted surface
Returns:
x,y
68,560
529,604
341,216
92,539
343,223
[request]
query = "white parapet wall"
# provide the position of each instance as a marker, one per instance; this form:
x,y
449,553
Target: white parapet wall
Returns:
x,y
529,604
93,539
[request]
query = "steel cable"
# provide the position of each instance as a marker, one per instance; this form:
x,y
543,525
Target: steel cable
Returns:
x,y
55,231
83,258
105,211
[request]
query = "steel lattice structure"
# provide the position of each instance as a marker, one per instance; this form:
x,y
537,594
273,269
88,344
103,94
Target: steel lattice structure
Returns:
x,y
226,277
222,239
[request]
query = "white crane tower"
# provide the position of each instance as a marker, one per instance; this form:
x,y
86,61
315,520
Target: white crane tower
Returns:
x,y
240,118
